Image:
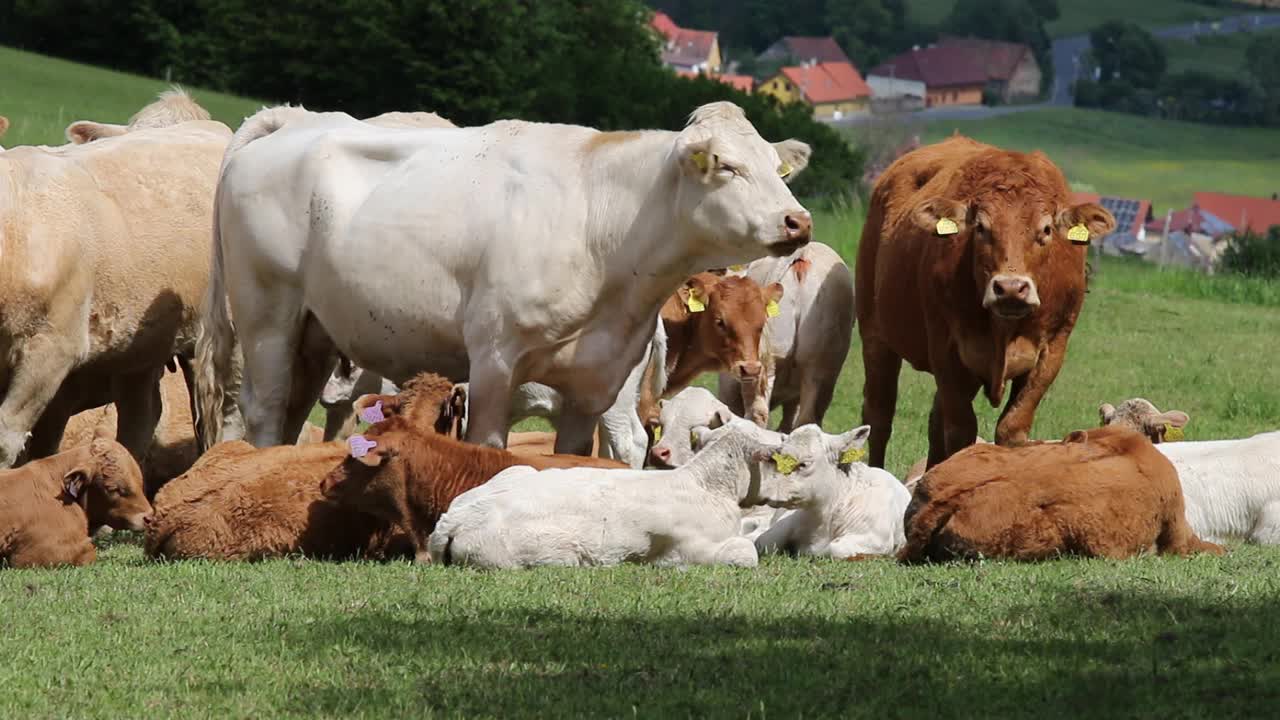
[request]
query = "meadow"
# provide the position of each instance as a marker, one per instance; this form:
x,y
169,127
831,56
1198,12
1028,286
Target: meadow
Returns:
x,y
1080,16
1222,55
793,638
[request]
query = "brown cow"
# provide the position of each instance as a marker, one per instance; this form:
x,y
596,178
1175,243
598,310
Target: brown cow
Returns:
x,y
965,271
713,323
408,477
1099,493
49,508
242,503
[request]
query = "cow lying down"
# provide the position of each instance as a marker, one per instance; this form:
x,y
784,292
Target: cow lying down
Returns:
x,y
586,517
242,503
1099,493
408,477
50,507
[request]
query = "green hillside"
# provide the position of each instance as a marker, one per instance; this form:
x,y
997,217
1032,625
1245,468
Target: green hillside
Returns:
x,y
1222,55
1081,16
42,95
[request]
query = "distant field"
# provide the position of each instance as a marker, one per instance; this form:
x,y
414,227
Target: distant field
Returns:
x,y
1222,55
1081,16
42,95
1131,156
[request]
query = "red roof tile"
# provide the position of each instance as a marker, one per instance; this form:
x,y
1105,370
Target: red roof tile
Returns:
x,y
828,82
745,83
820,49
938,66
683,48
663,23
1242,211
1002,58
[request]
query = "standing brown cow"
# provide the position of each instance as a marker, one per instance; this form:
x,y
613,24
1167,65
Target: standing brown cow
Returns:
x,y
967,272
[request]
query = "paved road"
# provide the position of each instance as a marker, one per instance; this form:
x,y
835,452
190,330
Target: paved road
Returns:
x,y
1067,53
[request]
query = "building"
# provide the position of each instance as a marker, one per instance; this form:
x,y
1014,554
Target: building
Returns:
x,y
745,83
695,51
957,71
1241,211
890,94
798,49
833,90
951,75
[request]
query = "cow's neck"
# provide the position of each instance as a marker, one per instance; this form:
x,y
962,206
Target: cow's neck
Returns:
x,y
721,471
685,359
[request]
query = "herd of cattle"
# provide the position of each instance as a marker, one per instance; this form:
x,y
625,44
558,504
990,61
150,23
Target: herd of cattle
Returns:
x,y
178,298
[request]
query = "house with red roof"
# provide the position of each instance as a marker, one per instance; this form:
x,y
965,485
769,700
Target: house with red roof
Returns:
x,y
694,51
834,90
956,71
799,49
1241,211
745,83
1012,71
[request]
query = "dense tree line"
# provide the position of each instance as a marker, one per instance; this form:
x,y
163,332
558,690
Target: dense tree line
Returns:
x,y
473,61
1131,76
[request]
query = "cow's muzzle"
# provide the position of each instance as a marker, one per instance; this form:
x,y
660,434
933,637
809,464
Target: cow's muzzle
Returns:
x,y
1011,296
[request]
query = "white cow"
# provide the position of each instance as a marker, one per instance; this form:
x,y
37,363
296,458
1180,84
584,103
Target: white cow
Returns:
x,y
501,254
589,516
807,341
844,508
105,256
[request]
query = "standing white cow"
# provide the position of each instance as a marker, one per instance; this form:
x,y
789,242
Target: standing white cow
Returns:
x,y
588,516
500,254
106,251
808,339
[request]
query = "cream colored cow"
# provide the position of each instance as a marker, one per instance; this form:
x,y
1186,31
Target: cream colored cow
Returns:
x,y
172,107
106,259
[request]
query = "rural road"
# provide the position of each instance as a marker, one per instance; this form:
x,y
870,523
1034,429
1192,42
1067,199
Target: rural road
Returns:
x,y
1068,52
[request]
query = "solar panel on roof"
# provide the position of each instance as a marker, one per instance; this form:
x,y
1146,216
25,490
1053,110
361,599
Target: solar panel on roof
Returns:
x,y
1125,211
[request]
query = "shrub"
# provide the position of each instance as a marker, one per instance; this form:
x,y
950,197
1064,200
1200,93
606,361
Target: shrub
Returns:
x,y
1253,255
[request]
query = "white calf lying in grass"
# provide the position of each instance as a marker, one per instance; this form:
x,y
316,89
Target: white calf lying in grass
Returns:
x,y
1231,488
843,507
584,516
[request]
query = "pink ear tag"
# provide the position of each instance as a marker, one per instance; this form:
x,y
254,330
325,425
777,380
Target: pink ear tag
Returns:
x,y
373,414
360,445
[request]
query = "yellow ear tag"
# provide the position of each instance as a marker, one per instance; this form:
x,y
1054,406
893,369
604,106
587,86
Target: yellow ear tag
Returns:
x,y
1079,235
700,159
771,308
693,440
852,455
947,226
694,303
657,433
786,463
784,170
737,268
1171,433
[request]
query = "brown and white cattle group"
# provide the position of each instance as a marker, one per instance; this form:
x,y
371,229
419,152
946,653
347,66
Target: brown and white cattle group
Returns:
x,y
465,263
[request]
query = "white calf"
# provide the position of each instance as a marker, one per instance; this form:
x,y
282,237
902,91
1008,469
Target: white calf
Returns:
x,y
844,508
1231,487
678,415
589,516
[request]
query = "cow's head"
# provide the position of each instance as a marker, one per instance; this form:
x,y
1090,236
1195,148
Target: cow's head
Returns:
x,y
811,465
1015,224
372,477
107,482
734,193
729,327
428,401
674,443
1141,415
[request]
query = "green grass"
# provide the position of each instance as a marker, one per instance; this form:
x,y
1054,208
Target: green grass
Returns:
x,y
42,95
1081,16
1221,55
793,638
1131,156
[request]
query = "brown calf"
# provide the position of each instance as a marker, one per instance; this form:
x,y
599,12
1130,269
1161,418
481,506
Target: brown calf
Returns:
x,y
713,323
49,508
242,503
967,272
407,477
1099,493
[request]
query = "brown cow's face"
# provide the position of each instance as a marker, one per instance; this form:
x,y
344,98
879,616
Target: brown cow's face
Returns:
x,y
366,473
1011,243
109,486
733,322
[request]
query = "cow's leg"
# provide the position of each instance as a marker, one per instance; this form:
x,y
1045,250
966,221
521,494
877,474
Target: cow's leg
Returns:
x,y
138,409
489,402
46,436
755,398
317,357
39,365
790,411
738,551
881,367
937,439
956,389
575,431
271,332
730,392
815,397
1027,391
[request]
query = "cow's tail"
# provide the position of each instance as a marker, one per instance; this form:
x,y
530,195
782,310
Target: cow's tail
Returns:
x,y
657,371
216,369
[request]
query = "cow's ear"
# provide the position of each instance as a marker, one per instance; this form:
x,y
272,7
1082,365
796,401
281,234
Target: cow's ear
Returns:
x,y
76,483
940,216
1096,219
1076,436
849,447
1176,418
1106,412
390,403
698,160
84,131
794,155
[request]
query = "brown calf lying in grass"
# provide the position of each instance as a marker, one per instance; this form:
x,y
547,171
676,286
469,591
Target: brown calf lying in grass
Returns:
x,y
243,503
408,477
1099,493
50,507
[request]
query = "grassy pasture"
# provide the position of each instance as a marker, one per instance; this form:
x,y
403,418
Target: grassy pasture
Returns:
x,y
793,638
1222,55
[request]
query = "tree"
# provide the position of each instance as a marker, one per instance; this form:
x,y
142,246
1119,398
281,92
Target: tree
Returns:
x,y
1122,49
864,29
1263,62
